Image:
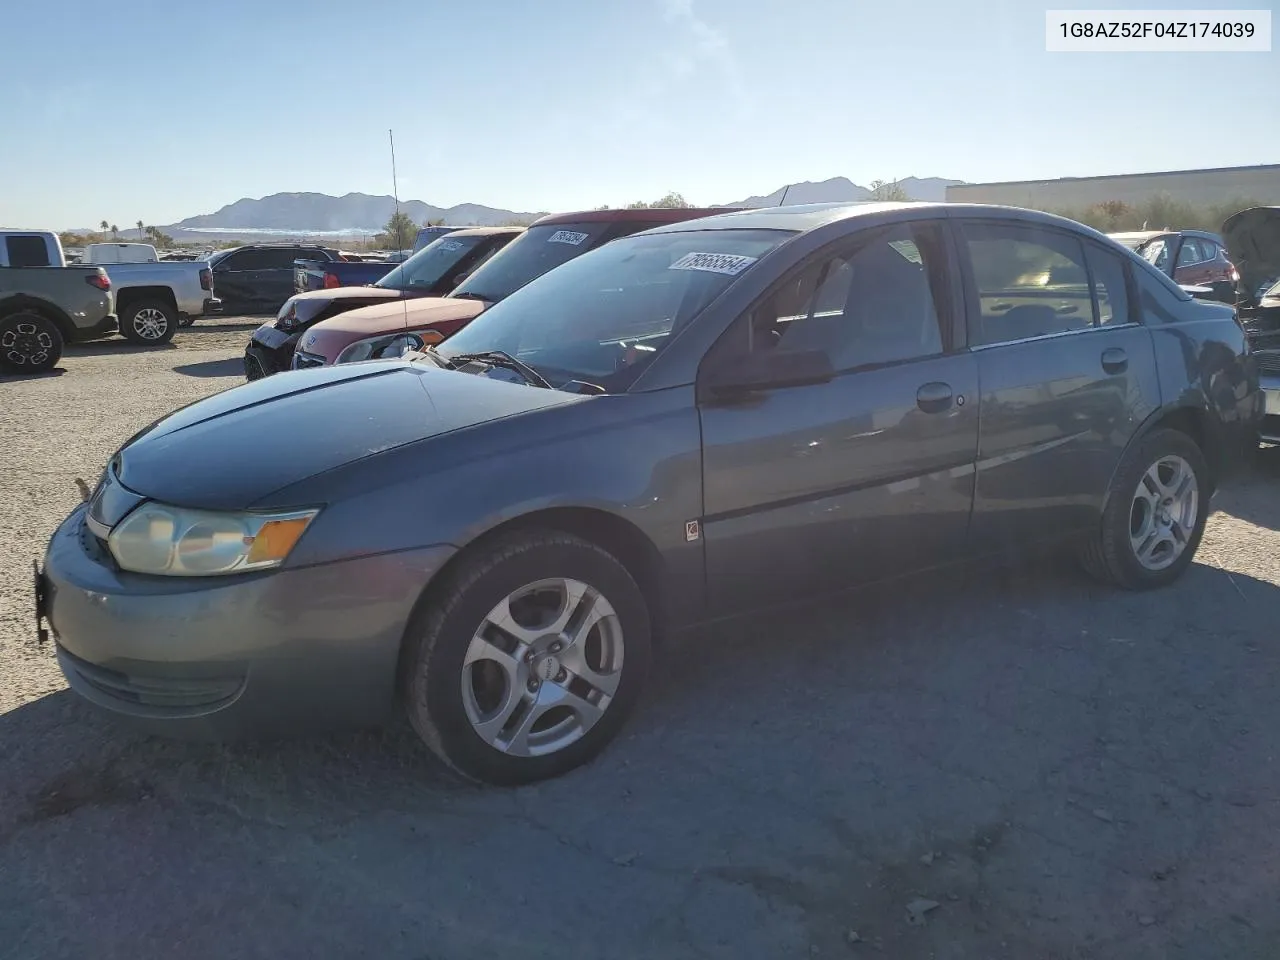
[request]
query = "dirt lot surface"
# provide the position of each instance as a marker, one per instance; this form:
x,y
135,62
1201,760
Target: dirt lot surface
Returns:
x,y
988,764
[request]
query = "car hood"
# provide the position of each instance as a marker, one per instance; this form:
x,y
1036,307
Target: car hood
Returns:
x,y
372,294
228,451
1252,238
330,337
390,317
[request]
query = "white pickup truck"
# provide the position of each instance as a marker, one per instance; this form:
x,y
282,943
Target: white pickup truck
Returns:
x,y
151,298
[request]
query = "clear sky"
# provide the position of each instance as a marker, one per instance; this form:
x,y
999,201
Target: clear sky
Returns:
x,y
157,110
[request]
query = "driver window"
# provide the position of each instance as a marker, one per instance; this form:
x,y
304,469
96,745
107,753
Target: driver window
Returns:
x,y
871,303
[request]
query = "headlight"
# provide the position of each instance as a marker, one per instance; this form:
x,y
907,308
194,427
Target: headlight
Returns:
x,y
176,542
381,348
288,318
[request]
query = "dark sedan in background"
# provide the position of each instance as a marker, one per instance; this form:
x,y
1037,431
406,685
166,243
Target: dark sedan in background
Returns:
x,y
688,423
431,272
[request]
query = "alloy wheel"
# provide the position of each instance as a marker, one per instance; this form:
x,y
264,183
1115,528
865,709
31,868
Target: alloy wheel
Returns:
x,y
543,667
150,323
1164,512
24,344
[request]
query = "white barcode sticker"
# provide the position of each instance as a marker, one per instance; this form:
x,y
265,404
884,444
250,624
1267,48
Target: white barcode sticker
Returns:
x,y
567,236
450,244
727,263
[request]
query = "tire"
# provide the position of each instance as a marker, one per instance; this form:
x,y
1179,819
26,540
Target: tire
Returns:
x,y
149,322
29,343
1112,553
464,711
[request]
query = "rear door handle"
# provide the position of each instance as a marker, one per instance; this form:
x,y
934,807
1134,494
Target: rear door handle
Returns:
x,y
1114,360
934,397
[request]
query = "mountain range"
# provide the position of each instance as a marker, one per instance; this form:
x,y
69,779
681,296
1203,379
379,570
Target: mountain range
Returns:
x,y
319,213
839,189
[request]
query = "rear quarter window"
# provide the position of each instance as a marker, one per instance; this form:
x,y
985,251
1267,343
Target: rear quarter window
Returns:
x,y
27,251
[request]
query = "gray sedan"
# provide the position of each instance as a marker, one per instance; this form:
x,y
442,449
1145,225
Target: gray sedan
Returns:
x,y
688,423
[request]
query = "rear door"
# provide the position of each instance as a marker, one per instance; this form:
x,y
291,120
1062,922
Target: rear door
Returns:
x,y
1067,376
827,485
276,282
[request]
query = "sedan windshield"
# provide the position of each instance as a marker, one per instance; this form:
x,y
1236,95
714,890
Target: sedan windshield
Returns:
x,y
529,256
601,318
431,264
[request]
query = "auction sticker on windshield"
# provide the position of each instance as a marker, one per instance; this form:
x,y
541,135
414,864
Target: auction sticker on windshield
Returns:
x,y
567,236
727,263
450,244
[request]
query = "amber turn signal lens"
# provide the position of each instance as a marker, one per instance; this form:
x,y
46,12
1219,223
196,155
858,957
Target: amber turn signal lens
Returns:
x,y
276,539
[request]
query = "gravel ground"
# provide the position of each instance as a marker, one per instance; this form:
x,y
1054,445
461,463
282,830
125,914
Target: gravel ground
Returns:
x,y
993,763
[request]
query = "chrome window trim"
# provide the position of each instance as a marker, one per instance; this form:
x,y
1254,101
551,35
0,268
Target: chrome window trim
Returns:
x,y
1102,328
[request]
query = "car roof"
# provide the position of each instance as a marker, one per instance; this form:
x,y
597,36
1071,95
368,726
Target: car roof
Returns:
x,y
799,217
483,231
629,215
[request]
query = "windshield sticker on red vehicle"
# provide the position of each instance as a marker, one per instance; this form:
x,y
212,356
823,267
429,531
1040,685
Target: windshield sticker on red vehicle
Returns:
x,y
567,236
726,263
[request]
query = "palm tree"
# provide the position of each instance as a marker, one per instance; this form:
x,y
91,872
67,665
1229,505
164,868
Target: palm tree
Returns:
x,y
115,232
104,226
139,226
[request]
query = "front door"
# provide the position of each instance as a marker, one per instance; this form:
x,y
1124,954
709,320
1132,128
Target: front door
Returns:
x,y
1068,375
809,488
238,279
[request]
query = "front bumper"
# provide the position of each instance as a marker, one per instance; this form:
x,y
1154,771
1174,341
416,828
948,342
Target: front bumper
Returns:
x,y
269,351
225,657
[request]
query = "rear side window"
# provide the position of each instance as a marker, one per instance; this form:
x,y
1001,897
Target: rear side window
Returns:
x,y
1109,286
1030,282
282,258
27,251
1190,252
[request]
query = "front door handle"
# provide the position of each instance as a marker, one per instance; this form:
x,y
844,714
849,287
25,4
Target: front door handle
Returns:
x,y
934,397
1114,360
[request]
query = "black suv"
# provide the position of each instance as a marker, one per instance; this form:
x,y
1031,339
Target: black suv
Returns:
x,y
258,278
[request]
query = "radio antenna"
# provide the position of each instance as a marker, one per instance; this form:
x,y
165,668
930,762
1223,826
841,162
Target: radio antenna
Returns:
x,y
395,191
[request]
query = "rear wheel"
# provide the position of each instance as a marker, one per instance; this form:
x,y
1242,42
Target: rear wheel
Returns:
x,y
29,343
529,661
151,322
1155,515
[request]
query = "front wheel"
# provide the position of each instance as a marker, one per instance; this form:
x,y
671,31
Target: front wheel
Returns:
x,y
529,660
29,343
1155,514
150,322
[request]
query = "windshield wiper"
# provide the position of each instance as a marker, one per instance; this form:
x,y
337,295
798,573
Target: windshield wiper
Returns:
x,y
499,358
429,353
468,295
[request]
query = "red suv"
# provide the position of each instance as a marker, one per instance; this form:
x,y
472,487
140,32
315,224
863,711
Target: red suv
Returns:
x,y
1189,257
391,329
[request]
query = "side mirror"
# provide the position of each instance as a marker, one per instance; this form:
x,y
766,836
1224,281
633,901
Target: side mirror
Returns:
x,y
459,277
770,369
